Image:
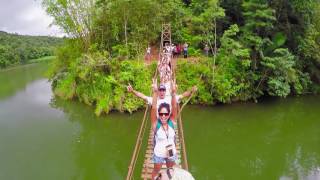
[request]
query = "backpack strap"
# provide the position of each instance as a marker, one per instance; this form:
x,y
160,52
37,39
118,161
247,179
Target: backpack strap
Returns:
x,y
157,126
170,123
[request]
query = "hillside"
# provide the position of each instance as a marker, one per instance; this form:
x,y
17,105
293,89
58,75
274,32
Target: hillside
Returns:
x,y
20,49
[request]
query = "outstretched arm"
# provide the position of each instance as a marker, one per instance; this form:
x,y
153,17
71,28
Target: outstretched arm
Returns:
x,y
173,101
136,93
189,92
153,112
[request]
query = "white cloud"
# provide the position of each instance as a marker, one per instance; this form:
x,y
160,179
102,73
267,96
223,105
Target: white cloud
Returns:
x,y
26,17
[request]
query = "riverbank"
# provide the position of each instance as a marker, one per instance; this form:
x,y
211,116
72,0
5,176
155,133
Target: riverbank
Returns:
x,y
42,59
30,62
101,82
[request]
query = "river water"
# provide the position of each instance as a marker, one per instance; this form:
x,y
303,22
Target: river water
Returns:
x,y
42,137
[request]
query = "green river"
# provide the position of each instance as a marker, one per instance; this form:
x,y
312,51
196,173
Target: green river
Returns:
x,y
42,137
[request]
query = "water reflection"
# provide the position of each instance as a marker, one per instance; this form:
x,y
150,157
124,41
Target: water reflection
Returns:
x,y
103,145
31,104
276,140
42,137
302,165
15,79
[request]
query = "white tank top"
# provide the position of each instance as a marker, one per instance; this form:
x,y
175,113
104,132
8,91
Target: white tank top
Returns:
x,y
161,141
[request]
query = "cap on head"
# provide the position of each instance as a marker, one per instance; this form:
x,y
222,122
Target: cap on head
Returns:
x,y
162,87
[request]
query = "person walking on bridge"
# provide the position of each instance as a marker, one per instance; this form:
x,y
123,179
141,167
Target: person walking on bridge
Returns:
x,y
164,150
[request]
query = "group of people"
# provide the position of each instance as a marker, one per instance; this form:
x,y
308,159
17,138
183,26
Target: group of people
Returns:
x,y
163,115
165,65
177,49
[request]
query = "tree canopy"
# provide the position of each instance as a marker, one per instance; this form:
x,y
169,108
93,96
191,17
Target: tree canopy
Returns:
x,y
263,47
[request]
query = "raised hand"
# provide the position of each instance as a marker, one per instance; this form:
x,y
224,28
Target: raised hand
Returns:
x,y
194,88
129,88
154,85
173,87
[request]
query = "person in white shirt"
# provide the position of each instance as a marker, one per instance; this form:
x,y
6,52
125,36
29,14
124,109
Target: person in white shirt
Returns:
x,y
163,121
163,96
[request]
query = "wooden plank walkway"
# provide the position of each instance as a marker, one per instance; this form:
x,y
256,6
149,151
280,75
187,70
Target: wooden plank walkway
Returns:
x,y
148,163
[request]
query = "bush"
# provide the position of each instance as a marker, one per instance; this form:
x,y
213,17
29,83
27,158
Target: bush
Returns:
x,y
194,52
101,82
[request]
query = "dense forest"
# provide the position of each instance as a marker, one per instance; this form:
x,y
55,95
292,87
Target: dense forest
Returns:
x,y
263,48
21,49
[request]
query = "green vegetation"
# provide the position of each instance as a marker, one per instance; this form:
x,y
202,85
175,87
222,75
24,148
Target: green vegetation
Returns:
x,y
18,49
263,48
42,59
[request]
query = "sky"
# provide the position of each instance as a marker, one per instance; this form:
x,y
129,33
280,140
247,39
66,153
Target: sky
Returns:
x,y
26,17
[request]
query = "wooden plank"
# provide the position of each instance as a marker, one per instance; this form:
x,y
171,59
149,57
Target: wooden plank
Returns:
x,y
148,164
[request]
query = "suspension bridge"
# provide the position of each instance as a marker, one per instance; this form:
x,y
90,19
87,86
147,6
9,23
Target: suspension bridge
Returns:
x,y
166,74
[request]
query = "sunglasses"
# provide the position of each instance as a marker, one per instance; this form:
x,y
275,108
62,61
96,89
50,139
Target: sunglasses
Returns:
x,y
161,114
162,89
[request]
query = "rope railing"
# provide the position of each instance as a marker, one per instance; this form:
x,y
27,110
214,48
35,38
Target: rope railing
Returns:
x,y
185,164
137,147
143,126
184,151
139,140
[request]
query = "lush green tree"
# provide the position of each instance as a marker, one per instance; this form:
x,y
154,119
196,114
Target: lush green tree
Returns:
x,y
260,47
204,22
258,23
232,80
74,17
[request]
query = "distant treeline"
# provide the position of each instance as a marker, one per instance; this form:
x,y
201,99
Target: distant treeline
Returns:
x,y
20,49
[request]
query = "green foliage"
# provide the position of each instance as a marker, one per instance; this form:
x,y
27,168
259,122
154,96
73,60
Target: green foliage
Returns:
x,y
282,73
196,73
65,86
263,48
205,14
232,77
258,22
17,49
309,50
101,82
75,17
43,59
194,52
